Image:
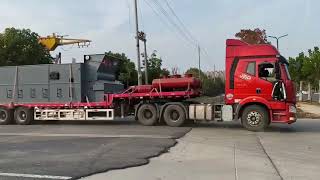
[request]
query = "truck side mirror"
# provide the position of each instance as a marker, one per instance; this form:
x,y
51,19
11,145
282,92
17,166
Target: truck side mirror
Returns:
x,y
277,71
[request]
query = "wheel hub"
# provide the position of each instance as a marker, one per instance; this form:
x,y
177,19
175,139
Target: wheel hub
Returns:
x,y
174,115
23,115
147,114
254,118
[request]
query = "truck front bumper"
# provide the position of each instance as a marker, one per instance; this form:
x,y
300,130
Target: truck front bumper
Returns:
x,y
288,115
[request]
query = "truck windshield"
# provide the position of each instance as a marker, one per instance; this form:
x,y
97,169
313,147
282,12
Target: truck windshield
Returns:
x,y
287,71
285,63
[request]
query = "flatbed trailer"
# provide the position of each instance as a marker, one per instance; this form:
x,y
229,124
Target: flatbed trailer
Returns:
x,y
252,96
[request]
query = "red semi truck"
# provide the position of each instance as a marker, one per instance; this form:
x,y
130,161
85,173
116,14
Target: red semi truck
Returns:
x,y
258,92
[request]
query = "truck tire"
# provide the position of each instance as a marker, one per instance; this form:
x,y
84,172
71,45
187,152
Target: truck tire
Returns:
x,y
147,115
6,116
255,118
174,115
23,116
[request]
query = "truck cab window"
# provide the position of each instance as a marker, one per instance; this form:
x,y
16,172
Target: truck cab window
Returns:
x,y
267,71
251,68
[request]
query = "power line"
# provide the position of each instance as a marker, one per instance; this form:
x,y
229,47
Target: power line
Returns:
x,y
181,27
140,17
172,22
204,51
129,16
181,23
164,22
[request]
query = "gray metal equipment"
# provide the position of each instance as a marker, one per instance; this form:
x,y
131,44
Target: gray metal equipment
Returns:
x,y
74,82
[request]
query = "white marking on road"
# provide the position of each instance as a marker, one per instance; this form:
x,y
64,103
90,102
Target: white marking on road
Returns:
x,y
34,176
87,135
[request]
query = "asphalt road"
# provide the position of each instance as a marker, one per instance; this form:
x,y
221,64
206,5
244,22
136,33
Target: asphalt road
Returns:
x,y
64,150
209,151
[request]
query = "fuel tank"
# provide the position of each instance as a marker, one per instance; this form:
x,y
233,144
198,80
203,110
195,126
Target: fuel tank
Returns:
x,y
177,82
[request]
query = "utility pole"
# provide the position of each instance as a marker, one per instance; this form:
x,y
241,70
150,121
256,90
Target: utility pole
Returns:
x,y
138,44
277,38
146,62
142,37
199,53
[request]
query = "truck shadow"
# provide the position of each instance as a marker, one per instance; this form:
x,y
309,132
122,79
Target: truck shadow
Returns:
x,y
305,125
308,126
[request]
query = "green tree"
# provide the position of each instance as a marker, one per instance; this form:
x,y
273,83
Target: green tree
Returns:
x,y
155,69
295,67
21,47
256,36
127,73
195,73
306,67
311,66
211,86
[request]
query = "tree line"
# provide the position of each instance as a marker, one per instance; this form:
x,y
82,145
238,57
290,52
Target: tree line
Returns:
x,y
306,68
128,74
211,86
21,47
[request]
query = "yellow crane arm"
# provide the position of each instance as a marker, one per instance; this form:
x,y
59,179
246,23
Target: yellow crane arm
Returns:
x,y
52,42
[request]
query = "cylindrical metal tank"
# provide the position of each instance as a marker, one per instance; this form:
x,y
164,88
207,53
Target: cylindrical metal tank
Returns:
x,y
142,88
177,82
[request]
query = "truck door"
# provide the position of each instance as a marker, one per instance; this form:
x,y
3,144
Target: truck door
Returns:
x,y
266,79
244,80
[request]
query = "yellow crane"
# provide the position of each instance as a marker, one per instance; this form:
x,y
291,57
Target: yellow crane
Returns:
x,y
53,41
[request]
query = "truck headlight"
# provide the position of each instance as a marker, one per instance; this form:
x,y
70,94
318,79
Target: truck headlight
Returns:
x,y
292,109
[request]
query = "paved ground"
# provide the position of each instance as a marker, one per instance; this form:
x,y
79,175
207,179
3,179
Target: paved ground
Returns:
x,y
229,152
213,151
310,108
73,150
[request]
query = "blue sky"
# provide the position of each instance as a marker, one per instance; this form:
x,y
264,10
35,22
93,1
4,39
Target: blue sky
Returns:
x,y
110,25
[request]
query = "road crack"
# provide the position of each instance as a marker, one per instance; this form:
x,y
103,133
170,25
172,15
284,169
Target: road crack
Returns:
x,y
268,156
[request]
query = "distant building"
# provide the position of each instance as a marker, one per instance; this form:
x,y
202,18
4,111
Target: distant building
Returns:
x,y
216,74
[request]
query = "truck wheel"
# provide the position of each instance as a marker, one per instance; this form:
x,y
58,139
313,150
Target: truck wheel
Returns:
x,y
255,118
5,116
147,115
23,116
174,115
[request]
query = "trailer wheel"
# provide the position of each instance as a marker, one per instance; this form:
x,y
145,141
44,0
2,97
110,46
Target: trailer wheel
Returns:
x,y
174,115
147,115
5,116
255,118
23,116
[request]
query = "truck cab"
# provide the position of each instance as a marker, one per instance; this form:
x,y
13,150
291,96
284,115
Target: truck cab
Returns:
x,y
258,85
